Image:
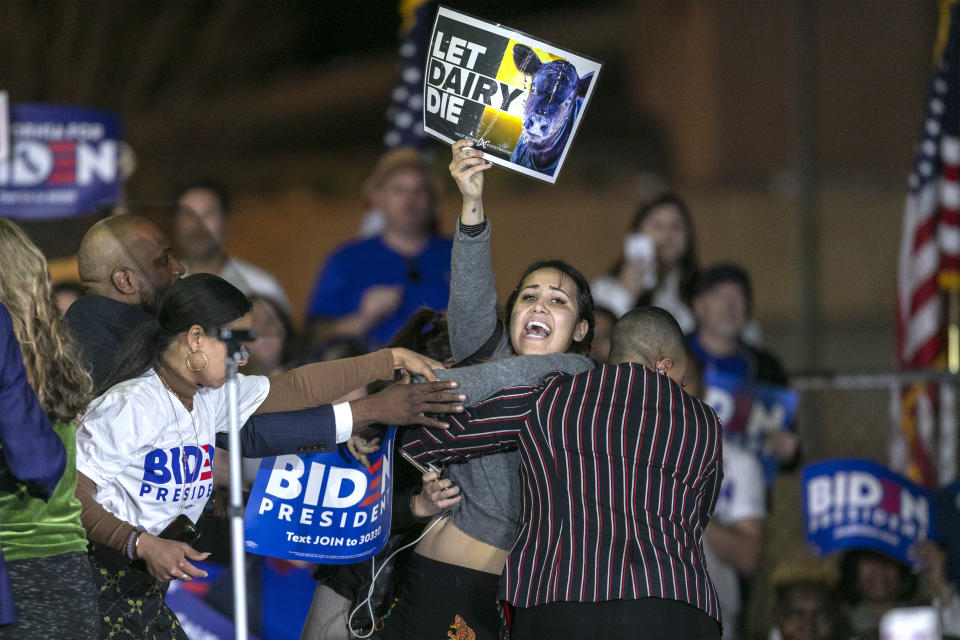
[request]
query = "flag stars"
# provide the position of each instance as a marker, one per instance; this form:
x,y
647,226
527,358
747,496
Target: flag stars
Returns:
x,y
404,119
392,139
936,106
411,75
933,127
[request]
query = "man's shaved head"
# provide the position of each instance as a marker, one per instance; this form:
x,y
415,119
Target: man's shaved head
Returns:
x,y
648,335
127,258
109,244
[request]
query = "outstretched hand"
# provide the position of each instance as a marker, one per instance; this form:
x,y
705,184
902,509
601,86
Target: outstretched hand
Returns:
x,y
415,364
407,404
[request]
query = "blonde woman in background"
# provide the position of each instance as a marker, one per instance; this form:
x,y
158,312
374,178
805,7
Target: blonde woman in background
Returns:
x,y
43,542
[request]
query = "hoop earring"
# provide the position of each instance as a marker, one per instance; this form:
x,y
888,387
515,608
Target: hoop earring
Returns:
x,y
190,364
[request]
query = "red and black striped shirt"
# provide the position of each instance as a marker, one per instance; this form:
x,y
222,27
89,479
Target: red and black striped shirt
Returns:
x,y
621,471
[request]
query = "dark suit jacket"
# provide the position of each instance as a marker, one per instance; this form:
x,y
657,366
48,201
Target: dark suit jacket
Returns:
x,y
100,326
307,431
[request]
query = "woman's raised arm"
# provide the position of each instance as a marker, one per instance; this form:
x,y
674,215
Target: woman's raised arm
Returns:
x,y
472,309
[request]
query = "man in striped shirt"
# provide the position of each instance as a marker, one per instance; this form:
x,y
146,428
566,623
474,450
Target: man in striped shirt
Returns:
x,y
621,472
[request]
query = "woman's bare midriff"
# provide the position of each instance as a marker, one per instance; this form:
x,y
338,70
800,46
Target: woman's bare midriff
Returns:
x,y
446,543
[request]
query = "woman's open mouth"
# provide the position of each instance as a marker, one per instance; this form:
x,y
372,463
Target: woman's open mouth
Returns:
x,y
536,330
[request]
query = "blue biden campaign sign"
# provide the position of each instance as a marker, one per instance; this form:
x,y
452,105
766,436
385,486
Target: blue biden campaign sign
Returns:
x,y
851,503
749,412
63,161
326,507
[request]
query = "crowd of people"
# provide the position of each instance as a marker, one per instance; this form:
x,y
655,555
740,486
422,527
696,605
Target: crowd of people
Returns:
x,y
587,489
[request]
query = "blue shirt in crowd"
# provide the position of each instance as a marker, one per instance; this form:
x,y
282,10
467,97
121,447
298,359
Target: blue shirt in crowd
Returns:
x,y
747,364
361,264
736,366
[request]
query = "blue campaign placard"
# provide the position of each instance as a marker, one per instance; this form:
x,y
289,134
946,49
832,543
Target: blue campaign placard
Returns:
x,y
63,161
851,503
326,507
749,411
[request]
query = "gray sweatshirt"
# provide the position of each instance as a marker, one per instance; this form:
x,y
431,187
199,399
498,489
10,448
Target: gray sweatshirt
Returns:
x,y
490,485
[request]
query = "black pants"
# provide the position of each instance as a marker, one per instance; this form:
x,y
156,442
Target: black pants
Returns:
x,y
54,598
647,618
438,599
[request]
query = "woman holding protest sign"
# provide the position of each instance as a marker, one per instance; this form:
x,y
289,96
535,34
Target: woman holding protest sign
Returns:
x,y
144,446
42,539
452,578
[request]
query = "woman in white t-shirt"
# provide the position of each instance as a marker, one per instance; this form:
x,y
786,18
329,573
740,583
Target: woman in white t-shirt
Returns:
x,y
144,447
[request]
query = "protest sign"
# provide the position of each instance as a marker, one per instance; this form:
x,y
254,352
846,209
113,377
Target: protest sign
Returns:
x,y
519,99
851,503
197,617
62,162
749,411
279,594
325,507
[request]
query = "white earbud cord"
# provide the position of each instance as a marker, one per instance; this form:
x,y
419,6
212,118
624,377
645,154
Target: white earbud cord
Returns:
x,y
375,573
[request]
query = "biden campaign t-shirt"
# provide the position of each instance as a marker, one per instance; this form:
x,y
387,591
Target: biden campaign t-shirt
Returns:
x,y
150,459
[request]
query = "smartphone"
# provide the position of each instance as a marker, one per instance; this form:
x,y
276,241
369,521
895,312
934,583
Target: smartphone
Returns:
x,y
639,250
422,468
910,623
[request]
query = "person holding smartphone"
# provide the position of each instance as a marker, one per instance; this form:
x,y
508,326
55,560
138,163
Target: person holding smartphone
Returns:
x,y
658,265
144,447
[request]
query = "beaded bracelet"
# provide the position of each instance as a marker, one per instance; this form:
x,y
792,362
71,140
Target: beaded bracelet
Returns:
x,y
134,537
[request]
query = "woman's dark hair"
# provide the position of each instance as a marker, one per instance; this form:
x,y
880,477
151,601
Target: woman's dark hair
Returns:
x,y
849,588
584,299
425,333
689,270
202,298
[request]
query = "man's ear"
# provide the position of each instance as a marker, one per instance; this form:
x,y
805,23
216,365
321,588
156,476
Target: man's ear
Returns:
x,y
124,281
581,331
663,365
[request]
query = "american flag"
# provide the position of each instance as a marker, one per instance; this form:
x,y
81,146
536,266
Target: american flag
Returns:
x,y
4,126
930,250
405,114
